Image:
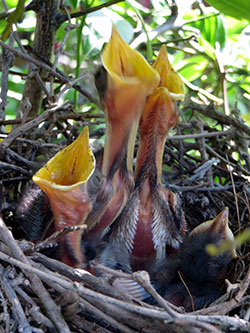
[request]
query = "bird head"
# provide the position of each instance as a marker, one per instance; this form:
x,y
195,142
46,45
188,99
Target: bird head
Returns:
x,y
64,177
127,79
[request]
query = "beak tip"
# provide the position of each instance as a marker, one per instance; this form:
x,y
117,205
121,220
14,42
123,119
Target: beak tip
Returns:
x,y
222,218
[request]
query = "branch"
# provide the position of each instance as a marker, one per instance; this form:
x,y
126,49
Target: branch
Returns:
x,y
61,77
209,111
90,10
52,309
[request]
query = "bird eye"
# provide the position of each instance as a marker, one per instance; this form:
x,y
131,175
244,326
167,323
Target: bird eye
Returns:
x,y
95,183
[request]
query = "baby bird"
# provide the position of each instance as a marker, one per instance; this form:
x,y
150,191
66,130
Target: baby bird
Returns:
x,y
152,219
33,215
123,83
64,179
193,277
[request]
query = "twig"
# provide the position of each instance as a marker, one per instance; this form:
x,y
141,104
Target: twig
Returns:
x,y
34,310
56,236
12,167
23,129
15,304
59,51
5,312
37,286
91,296
187,289
93,9
209,111
74,116
18,158
97,284
50,70
223,81
235,196
203,92
95,310
142,278
7,60
236,166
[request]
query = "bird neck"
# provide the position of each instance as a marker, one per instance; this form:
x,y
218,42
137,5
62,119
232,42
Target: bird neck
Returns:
x,y
149,155
119,144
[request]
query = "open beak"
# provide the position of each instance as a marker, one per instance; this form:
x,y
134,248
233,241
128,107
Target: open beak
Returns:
x,y
64,180
158,117
129,80
160,113
169,78
219,227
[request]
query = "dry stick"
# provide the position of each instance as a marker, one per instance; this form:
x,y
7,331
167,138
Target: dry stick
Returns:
x,y
98,284
224,321
222,73
98,308
203,152
49,69
20,159
93,9
34,142
202,92
88,294
32,6
142,278
32,67
187,289
34,310
83,116
239,166
7,61
209,111
139,277
235,195
89,307
136,320
23,129
246,201
59,51
84,292
5,312
46,243
73,297
12,167
15,304
52,309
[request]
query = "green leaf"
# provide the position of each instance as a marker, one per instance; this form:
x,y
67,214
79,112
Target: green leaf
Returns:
x,y
234,26
212,30
11,3
13,18
73,3
193,67
240,9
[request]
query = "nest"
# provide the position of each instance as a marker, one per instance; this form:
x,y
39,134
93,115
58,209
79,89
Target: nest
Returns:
x,y
205,159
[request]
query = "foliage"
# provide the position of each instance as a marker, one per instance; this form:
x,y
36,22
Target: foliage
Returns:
x,y
239,9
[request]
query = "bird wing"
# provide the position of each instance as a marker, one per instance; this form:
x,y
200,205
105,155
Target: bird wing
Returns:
x,y
124,227
166,223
